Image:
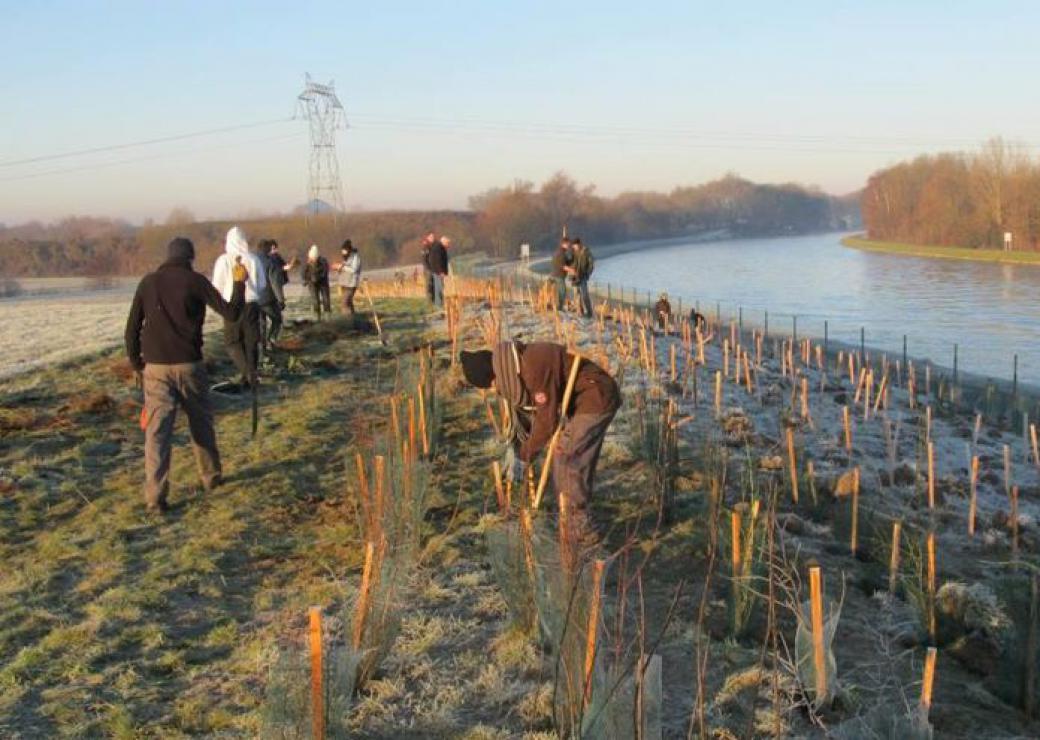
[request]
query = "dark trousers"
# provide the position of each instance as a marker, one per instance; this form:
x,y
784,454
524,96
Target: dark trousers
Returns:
x,y
584,300
577,454
242,338
167,388
431,289
320,299
270,322
561,292
348,299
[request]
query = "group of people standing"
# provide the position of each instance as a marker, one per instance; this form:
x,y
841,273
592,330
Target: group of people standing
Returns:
x,y
573,264
435,262
316,276
164,337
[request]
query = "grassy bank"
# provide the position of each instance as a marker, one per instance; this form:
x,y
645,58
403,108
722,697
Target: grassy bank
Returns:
x,y
950,253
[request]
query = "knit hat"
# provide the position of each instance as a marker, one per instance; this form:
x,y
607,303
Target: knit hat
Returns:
x,y
312,253
477,368
180,249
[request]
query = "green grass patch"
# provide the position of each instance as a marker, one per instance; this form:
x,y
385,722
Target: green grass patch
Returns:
x,y
951,253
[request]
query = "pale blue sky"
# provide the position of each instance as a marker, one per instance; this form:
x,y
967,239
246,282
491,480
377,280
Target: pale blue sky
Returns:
x,y
447,99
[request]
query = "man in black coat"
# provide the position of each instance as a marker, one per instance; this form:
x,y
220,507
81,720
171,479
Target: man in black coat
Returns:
x,y
164,344
439,268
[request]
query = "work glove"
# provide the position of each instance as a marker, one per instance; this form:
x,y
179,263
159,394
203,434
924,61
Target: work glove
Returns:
x,y
239,273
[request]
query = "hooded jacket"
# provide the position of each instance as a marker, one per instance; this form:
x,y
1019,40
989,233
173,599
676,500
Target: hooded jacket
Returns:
x,y
236,246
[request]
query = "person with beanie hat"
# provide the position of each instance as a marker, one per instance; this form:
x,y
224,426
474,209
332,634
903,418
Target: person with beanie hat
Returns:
x,y
164,344
349,271
242,337
532,379
316,278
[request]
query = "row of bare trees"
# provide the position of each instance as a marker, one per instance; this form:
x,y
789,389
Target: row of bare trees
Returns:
x,y
958,199
498,221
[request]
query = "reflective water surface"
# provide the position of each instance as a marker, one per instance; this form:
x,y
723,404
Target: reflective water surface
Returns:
x,y
989,310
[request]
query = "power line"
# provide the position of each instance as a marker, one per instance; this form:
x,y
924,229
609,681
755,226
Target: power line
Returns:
x,y
150,158
143,142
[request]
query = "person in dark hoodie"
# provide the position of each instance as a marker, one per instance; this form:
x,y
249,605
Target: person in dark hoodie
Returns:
x,y
532,379
427,245
272,297
164,344
561,260
439,268
663,312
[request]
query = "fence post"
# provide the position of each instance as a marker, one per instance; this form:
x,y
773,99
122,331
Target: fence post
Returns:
x,y
826,338
766,336
317,689
794,331
904,354
740,322
718,313
862,344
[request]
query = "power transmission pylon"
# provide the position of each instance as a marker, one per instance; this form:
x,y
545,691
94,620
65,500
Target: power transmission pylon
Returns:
x,y
320,106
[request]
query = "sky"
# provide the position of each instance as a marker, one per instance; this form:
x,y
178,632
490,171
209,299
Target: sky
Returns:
x,y
445,100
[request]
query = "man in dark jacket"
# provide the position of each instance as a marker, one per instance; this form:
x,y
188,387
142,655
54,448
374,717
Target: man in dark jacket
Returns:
x,y
532,379
439,268
580,270
272,297
427,245
164,343
560,262
663,312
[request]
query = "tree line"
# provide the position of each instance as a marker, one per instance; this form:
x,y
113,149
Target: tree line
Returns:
x,y
957,199
498,221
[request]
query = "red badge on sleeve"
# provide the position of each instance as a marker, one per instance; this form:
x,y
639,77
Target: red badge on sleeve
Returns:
x,y
540,399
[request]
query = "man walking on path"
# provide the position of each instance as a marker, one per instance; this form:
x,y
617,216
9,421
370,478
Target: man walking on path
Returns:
x,y
581,269
427,245
164,343
242,336
439,268
316,278
272,298
532,379
349,271
561,260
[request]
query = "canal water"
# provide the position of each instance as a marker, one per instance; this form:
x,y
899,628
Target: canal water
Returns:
x,y
990,311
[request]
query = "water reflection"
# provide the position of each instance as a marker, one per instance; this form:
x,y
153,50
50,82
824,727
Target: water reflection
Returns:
x,y
987,309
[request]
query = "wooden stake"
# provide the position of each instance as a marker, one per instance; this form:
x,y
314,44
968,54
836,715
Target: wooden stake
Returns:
x,y
931,475
422,421
816,609
855,510
547,465
931,584
1007,471
364,593
847,424
736,557
317,689
1014,520
972,503
893,561
718,394
1036,449
928,682
592,628
496,474
792,464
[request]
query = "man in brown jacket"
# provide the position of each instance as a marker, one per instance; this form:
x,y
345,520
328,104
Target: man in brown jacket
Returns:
x,y
533,378
164,344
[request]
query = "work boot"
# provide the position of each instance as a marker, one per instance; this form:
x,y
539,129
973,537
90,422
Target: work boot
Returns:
x,y
213,483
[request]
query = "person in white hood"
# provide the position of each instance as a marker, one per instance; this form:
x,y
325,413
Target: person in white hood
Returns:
x,y
242,337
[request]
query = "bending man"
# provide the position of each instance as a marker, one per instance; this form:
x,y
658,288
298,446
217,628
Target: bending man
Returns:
x,y
533,378
164,341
